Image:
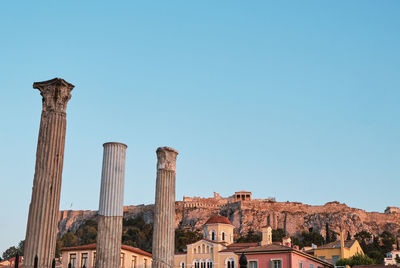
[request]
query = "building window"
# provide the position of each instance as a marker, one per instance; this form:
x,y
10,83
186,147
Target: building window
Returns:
x,y
182,265
252,264
276,263
213,235
230,263
196,264
133,262
72,260
311,265
209,264
203,264
300,264
145,263
194,251
335,258
84,259
223,236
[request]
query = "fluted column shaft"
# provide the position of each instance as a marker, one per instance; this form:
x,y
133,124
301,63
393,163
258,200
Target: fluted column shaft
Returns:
x,y
41,229
111,206
164,212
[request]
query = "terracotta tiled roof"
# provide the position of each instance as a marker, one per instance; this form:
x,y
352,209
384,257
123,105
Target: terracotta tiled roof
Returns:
x,y
237,246
218,219
212,241
136,250
93,247
83,247
270,247
336,244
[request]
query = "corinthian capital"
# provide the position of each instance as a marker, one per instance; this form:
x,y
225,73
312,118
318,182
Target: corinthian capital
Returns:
x,y
166,157
56,94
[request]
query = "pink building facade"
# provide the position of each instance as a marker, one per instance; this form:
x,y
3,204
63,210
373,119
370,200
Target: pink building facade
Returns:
x,y
278,256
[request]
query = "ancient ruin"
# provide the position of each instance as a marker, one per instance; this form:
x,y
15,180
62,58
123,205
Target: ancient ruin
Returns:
x,y
218,201
164,211
111,206
41,229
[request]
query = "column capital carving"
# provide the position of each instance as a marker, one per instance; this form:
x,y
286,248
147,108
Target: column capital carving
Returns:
x,y
55,94
166,157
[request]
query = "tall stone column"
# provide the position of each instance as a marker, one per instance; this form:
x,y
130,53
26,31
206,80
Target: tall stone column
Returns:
x,y
41,229
164,211
111,206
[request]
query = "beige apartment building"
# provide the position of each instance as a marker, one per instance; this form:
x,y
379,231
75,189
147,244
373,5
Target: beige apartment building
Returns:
x,y
85,255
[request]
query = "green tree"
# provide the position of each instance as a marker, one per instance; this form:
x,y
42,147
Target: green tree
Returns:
x,y
308,238
250,237
87,232
333,237
10,253
278,234
348,236
137,233
387,240
358,259
397,258
21,247
363,237
183,237
327,234
376,255
69,239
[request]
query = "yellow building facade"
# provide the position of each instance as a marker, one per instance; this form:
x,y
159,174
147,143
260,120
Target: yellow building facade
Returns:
x,y
85,255
334,251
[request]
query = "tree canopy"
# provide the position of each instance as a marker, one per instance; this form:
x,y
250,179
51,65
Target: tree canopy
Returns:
x,y
250,237
12,251
358,259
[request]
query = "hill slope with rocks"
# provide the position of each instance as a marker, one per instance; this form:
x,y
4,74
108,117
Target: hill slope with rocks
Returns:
x,y
248,215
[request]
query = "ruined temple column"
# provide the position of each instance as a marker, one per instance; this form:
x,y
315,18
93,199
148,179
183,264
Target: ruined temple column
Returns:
x,y
41,229
111,204
164,211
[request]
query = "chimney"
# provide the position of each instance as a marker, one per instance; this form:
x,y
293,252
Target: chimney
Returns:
x,y
341,243
287,241
266,235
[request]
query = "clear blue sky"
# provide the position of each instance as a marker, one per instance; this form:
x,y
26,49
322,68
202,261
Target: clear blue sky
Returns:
x,y
298,100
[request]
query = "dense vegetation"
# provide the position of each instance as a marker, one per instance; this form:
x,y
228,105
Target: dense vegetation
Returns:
x,y
138,233
376,247
358,259
12,251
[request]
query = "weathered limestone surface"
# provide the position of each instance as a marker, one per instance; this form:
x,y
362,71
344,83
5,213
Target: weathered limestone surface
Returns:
x,y
108,252
41,229
111,206
164,210
254,215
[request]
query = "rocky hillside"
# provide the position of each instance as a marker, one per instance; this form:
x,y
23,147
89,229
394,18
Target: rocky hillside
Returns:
x,y
245,215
